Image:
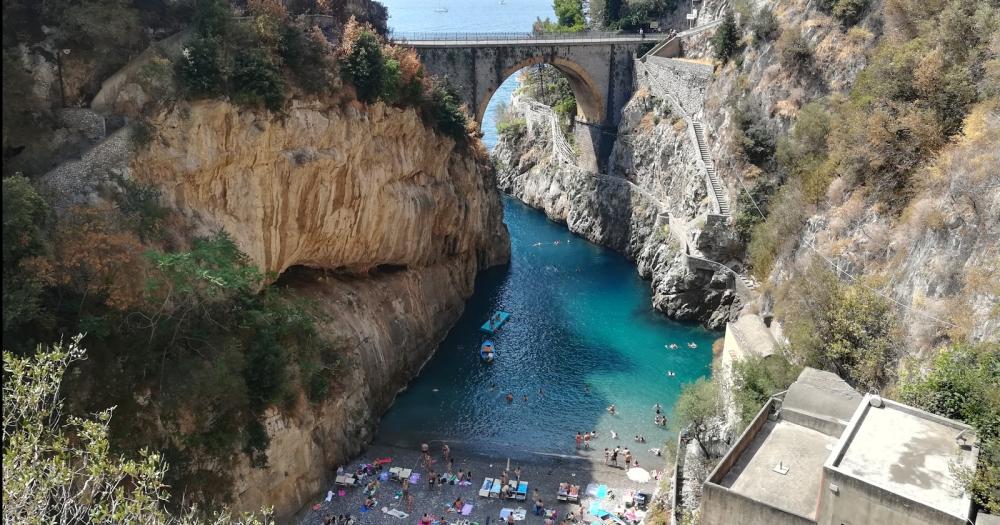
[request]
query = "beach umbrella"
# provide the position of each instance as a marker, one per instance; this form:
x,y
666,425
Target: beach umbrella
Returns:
x,y
640,475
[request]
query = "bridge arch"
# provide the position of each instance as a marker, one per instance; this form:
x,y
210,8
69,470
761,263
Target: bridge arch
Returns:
x,y
590,101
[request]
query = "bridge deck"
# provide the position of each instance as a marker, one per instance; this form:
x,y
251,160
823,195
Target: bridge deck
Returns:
x,y
522,39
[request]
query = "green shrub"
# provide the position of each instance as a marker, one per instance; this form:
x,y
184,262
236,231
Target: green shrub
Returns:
x,y
964,383
786,215
748,210
307,57
257,81
751,134
140,205
726,40
764,25
845,328
446,113
364,67
212,18
849,12
201,70
756,379
794,50
512,127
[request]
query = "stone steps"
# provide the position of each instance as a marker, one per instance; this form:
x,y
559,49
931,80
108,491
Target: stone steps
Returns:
x,y
706,157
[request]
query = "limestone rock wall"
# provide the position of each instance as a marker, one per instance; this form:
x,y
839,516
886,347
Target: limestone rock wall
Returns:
x,y
641,207
326,186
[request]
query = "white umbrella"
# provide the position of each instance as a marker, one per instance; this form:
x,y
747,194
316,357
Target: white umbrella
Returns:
x,y
640,475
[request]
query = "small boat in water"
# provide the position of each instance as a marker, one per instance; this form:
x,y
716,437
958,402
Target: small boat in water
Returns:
x,y
495,322
487,351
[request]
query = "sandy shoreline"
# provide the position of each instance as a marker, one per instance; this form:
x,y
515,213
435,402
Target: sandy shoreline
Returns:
x,y
543,472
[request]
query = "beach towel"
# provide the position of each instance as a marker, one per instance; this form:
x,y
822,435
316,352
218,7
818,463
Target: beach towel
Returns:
x,y
415,477
467,509
602,491
342,493
395,513
596,510
383,476
329,496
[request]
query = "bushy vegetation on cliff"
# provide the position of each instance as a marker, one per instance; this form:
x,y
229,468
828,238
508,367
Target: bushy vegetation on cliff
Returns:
x,y
59,468
180,334
899,149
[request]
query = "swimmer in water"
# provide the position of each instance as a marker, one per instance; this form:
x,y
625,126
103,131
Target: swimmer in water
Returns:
x,y
510,398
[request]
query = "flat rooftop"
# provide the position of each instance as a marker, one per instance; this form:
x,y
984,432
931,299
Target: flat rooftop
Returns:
x,y
801,450
908,452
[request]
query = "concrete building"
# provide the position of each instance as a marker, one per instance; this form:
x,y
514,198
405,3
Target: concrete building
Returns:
x,y
823,454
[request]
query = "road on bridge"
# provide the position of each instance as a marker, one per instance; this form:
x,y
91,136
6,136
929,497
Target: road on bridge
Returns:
x,y
522,39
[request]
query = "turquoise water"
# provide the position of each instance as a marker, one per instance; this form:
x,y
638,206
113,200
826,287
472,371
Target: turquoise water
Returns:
x,y
581,318
470,16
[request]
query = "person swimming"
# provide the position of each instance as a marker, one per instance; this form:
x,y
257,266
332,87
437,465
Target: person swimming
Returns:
x,y
614,435
612,410
510,397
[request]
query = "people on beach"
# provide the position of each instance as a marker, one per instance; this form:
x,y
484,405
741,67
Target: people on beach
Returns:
x,y
460,475
426,520
431,478
409,503
539,507
607,456
579,440
614,457
586,441
446,452
458,504
517,473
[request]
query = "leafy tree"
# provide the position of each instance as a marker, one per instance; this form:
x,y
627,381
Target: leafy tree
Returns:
x,y
212,18
25,216
698,406
364,67
59,469
726,40
569,13
964,383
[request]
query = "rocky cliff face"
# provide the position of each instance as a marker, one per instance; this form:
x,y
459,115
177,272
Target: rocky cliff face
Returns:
x,y
397,218
645,207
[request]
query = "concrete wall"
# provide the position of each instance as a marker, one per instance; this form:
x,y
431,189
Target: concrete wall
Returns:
x,y
859,503
720,506
826,425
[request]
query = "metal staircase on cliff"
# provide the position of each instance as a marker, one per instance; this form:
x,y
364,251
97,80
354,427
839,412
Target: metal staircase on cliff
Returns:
x,y
713,178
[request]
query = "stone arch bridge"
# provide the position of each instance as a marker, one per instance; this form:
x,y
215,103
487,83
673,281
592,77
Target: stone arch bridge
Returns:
x,y
599,67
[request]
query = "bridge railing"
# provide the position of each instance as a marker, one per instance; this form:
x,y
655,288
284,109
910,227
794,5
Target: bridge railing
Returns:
x,y
403,37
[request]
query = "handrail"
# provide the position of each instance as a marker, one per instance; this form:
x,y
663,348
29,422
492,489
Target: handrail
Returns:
x,y
527,36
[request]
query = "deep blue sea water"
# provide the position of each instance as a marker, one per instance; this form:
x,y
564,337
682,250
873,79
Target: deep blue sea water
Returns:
x,y
582,329
470,16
